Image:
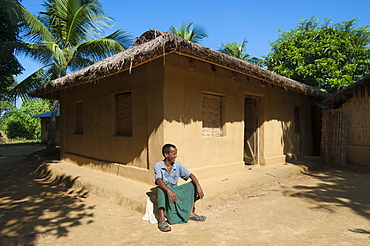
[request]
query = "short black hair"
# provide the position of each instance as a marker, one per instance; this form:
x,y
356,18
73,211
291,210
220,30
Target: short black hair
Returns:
x,y
166,148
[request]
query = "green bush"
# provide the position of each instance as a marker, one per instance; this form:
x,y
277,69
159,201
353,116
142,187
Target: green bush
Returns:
x,y
18,123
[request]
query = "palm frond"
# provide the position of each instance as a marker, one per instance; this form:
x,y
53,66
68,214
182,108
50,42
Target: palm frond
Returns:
x,y
27,85
122,37
29,23
38,52
174,30
58,54
55,71
36,31
12,9
199,33
73,21
98,49
235,49
90,20
79,63
194,34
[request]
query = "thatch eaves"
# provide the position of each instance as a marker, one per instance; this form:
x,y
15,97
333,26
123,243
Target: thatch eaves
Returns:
x,y
343,95
154,44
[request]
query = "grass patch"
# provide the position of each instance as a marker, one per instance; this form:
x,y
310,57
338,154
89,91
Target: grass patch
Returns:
x,y
21,142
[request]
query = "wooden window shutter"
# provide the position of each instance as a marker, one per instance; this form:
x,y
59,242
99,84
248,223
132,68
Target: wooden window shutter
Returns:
x,y
212,115
124,114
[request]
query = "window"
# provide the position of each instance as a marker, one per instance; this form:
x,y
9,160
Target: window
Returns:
x,y
212,115
123,114
79,118
297,120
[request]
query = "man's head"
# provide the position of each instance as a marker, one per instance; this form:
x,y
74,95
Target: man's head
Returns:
x,y
169,152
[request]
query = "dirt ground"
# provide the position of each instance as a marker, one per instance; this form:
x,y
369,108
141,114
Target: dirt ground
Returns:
x,y
322,207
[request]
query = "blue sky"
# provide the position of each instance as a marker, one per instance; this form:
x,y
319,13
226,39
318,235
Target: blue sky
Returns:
x,y
226,21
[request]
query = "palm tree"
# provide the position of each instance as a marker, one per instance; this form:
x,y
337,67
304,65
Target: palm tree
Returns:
x,y
64,38
194,34
238,50
235,49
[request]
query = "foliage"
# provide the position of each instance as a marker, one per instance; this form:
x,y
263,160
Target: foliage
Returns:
x,y
238,50
18,123
6,105
189,32
327,56
235,49
9,65
64,38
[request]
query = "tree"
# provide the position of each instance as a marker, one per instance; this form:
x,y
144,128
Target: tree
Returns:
x,y
235,49
327,56
9,65
189,32
18,123
65,38
238,50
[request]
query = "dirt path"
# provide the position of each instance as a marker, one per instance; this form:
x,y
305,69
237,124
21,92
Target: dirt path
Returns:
x,y
330,207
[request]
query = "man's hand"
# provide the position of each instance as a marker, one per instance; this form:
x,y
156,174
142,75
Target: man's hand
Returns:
x,y
164,187
200,193
172,195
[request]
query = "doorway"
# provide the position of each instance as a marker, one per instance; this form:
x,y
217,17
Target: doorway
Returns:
x,y
251,105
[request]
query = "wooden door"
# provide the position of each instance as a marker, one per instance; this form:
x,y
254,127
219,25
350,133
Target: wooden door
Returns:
x,y
250,131
334,139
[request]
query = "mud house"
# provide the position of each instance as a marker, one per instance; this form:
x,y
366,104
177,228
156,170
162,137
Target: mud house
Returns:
x,y
221,112
346,126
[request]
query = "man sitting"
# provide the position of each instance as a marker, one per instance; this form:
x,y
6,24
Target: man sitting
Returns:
x,y
176,203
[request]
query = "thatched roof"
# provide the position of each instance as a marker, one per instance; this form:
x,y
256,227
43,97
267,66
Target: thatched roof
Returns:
x,y
343,95
154,44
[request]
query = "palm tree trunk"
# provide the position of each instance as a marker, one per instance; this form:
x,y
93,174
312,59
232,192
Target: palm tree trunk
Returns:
x,y
50,142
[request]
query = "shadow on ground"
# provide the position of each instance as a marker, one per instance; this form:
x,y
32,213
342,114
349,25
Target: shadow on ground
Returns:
x,y
339,187
31,206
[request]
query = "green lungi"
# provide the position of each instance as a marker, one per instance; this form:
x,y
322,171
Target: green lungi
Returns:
x,y
177,212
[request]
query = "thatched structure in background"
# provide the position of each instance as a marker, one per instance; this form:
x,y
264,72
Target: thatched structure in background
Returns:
x,y
342,96
154,44
346,126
